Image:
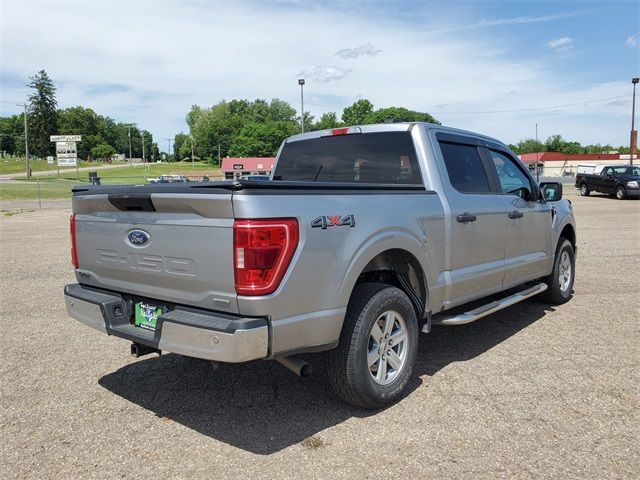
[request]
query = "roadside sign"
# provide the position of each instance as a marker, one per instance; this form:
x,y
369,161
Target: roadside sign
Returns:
x,y
66,138
50,160
66,151
67,162
67,154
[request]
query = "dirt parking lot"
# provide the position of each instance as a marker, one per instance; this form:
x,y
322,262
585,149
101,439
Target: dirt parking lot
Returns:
x,y
529,392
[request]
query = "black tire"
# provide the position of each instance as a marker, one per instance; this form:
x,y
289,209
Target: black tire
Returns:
x,y
349,373
584,190
554,293
620,192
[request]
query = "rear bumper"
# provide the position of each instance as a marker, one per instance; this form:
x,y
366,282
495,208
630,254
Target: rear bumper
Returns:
x,y
191,332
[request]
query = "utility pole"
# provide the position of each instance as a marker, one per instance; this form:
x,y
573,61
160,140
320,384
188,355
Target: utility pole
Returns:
x,y
169,155
26,139
191,138
144,157
219,155
634,133
130,154
301,83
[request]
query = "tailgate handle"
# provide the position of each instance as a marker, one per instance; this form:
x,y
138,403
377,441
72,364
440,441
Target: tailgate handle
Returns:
x,y
132,202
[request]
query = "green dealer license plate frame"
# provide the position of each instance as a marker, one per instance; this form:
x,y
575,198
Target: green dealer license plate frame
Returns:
x,y
146,315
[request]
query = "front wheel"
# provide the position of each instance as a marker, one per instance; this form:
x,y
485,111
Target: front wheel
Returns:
x,y
560,282
374,360
620,193
584,190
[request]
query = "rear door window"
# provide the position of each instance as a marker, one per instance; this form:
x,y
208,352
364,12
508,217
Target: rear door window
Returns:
x,y
379,158
465,168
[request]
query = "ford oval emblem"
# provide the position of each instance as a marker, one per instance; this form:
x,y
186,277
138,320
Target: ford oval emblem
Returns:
x,y
138,238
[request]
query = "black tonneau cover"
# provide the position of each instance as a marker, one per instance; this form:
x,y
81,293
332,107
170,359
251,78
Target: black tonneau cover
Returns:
x,y
240,186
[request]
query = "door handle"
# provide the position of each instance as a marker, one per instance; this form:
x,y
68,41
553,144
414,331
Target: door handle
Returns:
x,y
515,214
466,217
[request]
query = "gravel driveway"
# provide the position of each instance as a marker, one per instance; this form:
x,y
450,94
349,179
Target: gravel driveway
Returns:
x,y
532,391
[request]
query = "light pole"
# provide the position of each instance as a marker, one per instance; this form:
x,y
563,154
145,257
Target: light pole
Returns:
x,y
634,133
26,140
301,83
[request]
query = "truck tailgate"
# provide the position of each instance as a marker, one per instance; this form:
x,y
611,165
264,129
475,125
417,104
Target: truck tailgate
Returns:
x,y
173,247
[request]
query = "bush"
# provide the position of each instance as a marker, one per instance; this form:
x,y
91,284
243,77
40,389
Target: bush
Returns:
x,y
102,151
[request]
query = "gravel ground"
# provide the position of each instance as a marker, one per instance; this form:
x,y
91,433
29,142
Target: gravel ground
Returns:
x,y
529,392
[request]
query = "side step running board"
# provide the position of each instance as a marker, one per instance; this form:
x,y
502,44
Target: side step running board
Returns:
x,y
488,309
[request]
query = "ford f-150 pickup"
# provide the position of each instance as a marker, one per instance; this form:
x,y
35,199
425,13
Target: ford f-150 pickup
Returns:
x,y
619,180
363,238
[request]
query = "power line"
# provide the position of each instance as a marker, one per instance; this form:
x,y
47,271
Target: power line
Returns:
x,y
435,112
533,108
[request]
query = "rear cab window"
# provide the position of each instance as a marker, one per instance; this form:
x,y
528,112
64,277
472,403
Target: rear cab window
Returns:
x,y
372,158
465,168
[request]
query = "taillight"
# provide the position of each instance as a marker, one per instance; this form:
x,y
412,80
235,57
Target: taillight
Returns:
x,y
74,252
262,251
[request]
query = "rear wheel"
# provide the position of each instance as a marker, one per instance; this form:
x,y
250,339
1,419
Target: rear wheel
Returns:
x,y
584,190
620,193
374,360
560,282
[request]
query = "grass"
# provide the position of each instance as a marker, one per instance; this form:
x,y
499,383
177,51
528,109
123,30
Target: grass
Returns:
x,y
17,165
51,187
29,190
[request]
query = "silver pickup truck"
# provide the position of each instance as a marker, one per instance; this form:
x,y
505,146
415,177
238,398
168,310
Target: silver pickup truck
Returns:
x,y
363,238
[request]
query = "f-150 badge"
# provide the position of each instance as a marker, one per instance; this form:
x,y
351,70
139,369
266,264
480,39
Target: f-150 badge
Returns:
x,y
333,221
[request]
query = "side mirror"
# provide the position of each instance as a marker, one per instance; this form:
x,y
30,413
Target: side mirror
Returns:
x,y
551,191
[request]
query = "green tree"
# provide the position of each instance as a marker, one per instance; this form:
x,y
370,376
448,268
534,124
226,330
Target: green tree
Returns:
x,y
81,121
179,140
555,143
398,114
357,113
326,121
43,116
220,124
102,151
12,135
281,111
529,145
261,139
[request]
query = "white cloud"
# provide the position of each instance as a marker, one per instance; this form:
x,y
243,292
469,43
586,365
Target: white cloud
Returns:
x,y
632,41
365,49
524,20
323,73
561,44
167,58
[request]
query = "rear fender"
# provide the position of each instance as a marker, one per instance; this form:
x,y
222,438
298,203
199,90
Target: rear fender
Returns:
x,y
375,245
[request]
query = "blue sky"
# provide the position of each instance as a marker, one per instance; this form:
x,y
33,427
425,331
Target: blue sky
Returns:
x,y
497,67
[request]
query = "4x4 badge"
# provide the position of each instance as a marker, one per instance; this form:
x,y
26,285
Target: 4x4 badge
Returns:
x,y
333,221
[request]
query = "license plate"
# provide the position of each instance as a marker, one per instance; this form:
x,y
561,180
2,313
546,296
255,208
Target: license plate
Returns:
x,y
146,316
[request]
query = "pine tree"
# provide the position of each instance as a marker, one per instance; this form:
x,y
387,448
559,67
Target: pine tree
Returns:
x,y
43,115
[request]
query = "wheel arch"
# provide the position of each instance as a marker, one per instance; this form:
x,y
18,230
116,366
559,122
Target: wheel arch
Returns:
x,y
398,266
569,232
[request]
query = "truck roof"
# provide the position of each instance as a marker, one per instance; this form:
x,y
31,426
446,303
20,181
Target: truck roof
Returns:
x,y
392,127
